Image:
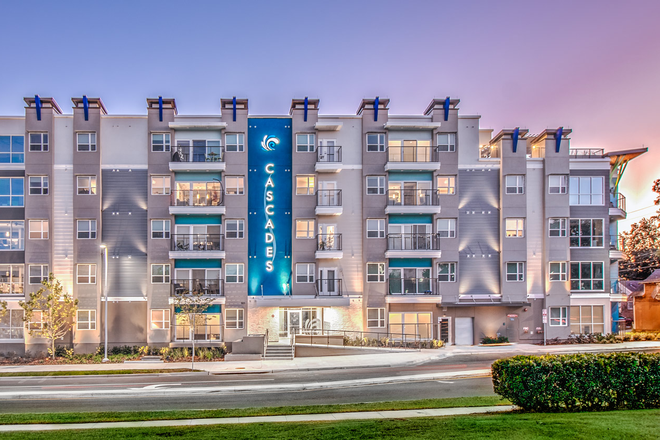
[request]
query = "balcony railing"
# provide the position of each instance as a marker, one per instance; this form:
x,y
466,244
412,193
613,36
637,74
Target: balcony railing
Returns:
x,y
330,154
410,153
413,286
413,242
412,197
618,201
328,197
197,286
586,153
198,242
489,152
198,197
328,242
198,154
616,242
8,288
202,332
328,287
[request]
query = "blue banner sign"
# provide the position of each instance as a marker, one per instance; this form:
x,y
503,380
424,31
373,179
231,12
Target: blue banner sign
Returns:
x,y
269,206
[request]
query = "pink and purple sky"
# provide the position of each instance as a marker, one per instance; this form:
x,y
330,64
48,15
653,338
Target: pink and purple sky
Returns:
x,y
592,66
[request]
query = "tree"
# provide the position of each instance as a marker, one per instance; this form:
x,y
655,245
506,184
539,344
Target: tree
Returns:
x,y
55,308
192,305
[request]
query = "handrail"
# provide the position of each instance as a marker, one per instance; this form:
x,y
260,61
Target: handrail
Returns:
x,y
328,242
586,153
412,153
328,153
328,197
413,197
203,153
197,286
406,241
413,286
619,202
372,338
198,242
328,287
197,197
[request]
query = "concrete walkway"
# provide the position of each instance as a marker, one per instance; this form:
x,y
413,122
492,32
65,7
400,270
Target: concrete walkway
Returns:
x,y
330,417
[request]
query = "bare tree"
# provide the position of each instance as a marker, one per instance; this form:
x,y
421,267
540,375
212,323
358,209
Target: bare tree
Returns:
x,y
56,309
192,305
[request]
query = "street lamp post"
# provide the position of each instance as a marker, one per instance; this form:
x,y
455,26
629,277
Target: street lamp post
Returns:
x,y
104,253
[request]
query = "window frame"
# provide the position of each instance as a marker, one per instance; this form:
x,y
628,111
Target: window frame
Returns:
x,y
91,231
591,279
380,185
13,281
18,329
380,228
379,319
519,229
44,187
163,190
579,195
519,184
240,189
11,196
450,230
562,318
166,142
451,142
380,147
90,322
309,275
379,275
237,322
165,273
240,142
590,237
451,274
563,227
91,277
519,274
166,231
240,273
578,317
309,189
92,187
14,229
239,231
15,149
42,276
91,145
562,275
562,184
43,145
309,145
310,232
450,188
165,320
43,233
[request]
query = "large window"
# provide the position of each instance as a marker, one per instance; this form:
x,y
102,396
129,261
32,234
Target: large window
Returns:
x,y
235,228
87,142
305,272
586,232
38,273
557,184
515,227
558,316
411,324
86,274
12,325
38,141
587,275
234,318
304,185
160,229
86,185
160,185
11,279
12,235
305,143
447,142
557,227
160,142
587,191
375,272
305,228
376,318
160,273
515,184
587,319
234,273
86,320
447,185
12,192
376,142
447,272
160,319
376,228
235,142
235,185
86,229
38,229
446,227
515,271
12,149
38,185
375,184
558,271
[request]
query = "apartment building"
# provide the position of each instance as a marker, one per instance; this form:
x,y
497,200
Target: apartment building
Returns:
x,y
400,226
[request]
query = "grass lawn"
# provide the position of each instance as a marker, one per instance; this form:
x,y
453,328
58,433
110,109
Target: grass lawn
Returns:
x,y
95,372
638,425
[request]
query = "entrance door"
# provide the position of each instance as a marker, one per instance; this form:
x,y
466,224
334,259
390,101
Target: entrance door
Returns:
x,y
327,151
328,283
327,237
328,194
464,331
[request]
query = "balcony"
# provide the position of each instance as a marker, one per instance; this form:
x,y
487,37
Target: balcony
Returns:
x,y
616,247
328,246
412,158
202,158
186,246
209,200
197,286
328,159
618,207
328,287
412,201
413,245
412,290
586,153
328,202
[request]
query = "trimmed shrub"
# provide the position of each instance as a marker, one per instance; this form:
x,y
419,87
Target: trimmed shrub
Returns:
x,y
498,340
579,382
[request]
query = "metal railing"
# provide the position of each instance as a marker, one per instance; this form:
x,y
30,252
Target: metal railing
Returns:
x,y
198,197
586,153
328,197
198,242
413,242
422,333
489,152
410,153
413,286
616,242
197,286
328,287
412,197
618,201
328,242
329,154
202,332
198,154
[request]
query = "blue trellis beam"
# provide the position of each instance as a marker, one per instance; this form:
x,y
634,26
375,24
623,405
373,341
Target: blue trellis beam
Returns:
x,y
516,134
376,109
37,104
558,136
160,108
86,107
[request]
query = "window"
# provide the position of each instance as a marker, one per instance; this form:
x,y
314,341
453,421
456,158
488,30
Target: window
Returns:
x,y
38,229
38,273
160,185
12,325
305,272
586,191
234,272
235,185
515,271
558,317
376,318
586,232
12,192
375,184
557,227
12,235
234,228
376,142
86,229
86,141
304,185
87,274
160,319
160,273
447,185
515,184
37,320
447,227
86,320
305,143
38,185
447,272
558,271
160,142
160,229
234,318
587,275
12,149
587,319
38,141
375,272
11,279
87,185
376,228
514,227
235,141
447,142
557,184
305,228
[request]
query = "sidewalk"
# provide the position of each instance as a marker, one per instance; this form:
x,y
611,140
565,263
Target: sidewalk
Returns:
x,y
330,417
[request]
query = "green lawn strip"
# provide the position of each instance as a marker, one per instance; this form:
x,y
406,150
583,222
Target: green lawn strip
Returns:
x,y
94,372
87,417
638,425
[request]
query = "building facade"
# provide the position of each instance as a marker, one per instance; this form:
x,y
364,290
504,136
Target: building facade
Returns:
x,y
416,226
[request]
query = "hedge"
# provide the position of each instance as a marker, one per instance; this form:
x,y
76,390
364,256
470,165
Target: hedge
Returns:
x,y
579,382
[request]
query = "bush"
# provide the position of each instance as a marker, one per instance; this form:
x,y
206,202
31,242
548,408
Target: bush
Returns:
x,y
580,382
498,340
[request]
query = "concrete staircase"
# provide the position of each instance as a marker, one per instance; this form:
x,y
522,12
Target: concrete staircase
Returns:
x,y
279,352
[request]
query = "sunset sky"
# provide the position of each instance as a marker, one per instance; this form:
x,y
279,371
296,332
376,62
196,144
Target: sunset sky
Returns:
x,y
592,66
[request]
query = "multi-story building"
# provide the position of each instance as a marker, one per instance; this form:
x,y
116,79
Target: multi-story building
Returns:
x,y
421,225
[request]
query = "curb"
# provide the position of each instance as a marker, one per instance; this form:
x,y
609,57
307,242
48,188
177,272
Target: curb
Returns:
x,y
65,376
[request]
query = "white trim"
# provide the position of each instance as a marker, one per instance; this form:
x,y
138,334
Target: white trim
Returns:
x,y
197,125
124,298
589,164
121,167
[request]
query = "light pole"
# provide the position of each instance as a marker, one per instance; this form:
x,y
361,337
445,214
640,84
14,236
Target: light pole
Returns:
x,y
104,253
